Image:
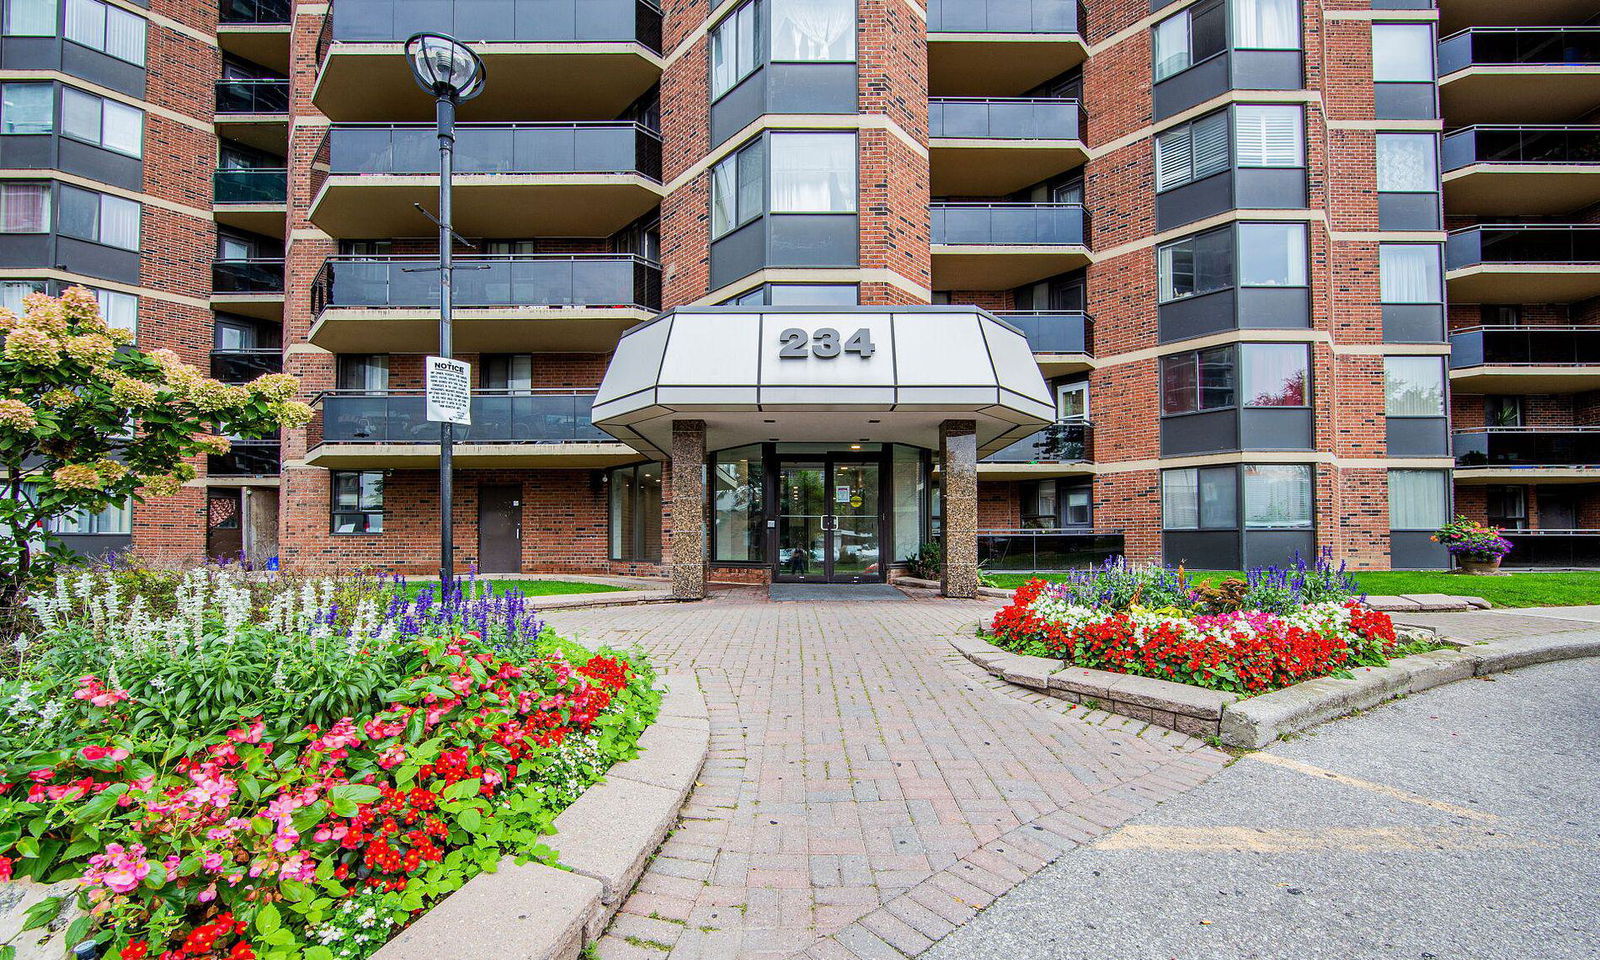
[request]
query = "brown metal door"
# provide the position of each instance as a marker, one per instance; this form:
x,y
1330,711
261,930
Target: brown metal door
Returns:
x,y
224,526
500,529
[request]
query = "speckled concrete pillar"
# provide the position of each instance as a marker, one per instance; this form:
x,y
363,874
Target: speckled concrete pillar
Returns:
x,y
958,469
688,509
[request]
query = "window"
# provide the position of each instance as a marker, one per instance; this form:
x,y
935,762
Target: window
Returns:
x,y
99,218
1408,163
1077,507
1409,273
1277,496
1192,152
105,123
1502,411
1418,499
1200,499
814,30
13,292
738,184
31,18
24,207
510,372
1402,53
1269,135
813,173
1413,386
1272,254
357,501
1507,507
636,513
733,50
1276,374
367,373
118,309
1197,34
111,30
27,108
1196,265
738,514
115,520
1266,24
1072,401
800,295
1196,381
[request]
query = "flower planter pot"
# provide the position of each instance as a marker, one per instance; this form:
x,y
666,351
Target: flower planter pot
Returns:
x,y
1481,568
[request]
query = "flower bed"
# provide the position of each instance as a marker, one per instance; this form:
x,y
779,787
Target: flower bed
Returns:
x,y
291,774
1274,629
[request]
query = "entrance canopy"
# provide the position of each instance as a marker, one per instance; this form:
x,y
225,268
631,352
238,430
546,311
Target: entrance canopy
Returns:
x,y
795,374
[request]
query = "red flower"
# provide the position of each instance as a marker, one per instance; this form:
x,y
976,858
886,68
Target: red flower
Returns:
x,y
135,950
241,951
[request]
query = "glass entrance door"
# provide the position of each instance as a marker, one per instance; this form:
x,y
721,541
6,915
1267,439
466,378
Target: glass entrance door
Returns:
x,y
829,521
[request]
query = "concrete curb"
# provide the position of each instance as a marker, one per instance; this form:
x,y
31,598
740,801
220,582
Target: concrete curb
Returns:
x,y
535,912
988,593
586,601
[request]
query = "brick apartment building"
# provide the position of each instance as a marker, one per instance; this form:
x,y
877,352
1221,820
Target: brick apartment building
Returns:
x,y
1221,226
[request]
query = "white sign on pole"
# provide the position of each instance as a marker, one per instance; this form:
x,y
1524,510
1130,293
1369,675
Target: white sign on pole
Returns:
x,y
449,391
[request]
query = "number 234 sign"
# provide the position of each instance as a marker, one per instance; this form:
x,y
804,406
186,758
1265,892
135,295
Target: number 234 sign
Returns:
x,y
824,344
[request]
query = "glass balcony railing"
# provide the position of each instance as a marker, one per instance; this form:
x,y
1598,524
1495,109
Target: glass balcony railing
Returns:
x,y
1553,548
1513,46
1070,441
1010,224
248,458
252,96
400,417
1051,331
969,118
527,148
247,276
1002,16
250,12
537,280
1528,447
1561,346
514,21
259,185
242,366
1521,145
1520,243
1065,548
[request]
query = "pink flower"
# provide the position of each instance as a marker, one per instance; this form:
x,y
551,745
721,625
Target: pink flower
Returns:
x,y
249,734
90,689
120,868
214,861
101,753
392,757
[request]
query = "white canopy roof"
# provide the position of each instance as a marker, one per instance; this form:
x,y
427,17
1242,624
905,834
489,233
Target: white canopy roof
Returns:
x,y
858,374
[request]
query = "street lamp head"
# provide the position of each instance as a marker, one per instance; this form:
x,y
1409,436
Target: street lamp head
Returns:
x,y
445,67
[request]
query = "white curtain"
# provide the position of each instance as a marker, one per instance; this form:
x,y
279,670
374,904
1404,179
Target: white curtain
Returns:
x,y
124,35
1418,499
31,18
1413,386
1172,46
1402,53
86,23
1408,163
724,194
1409,273
119,222
813,173
24,208
1180,499
1272,254
1275,374
1266,24
122,128
1277,496
814,30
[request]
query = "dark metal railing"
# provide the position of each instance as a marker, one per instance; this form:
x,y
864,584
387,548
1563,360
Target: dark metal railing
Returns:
x,y
522,280
513,21
242,366
273,12
1522,243
247,276
973,118
1553,548
1528,447
1010,224
1063,548
252,96
1002,16
400,416
1525,346
1068,441
1052,331
498,148
1510,46
1521,145
248,458
250,185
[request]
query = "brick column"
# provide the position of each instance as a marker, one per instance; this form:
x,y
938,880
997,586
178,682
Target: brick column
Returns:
x,y
688,509
958,469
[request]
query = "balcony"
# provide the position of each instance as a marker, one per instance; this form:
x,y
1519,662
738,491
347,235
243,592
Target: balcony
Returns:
x,y
561,179
255,113
251,199
1519,74
257,30
548,59
248,458
1457,15
1000,47
1525,360
522,429
1528,455
1553,548
1047,551
1000,246
1523,171
1061,449
242,366
986,148
1522,263
251,288
1060,338
507,304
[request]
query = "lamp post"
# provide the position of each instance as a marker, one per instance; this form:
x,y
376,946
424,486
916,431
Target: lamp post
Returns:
x,y
450,72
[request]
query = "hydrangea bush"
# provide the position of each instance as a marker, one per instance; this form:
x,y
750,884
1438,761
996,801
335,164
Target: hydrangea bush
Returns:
x,y
242,777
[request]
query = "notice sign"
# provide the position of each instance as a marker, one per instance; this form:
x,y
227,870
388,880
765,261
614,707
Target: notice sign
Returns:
x,y
449,391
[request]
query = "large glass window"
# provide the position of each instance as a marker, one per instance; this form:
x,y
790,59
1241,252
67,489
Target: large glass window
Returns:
x,y
814,30
799,295
733,50
1418,499
24,207
1408,163
111,30
365,372
1269,135
738,184
1410,273
27,108
105,123
1200,499
115,520
1196,265
636,513
509,372
1192,151
1272,254
738,513
1196,381
357,501
31,18
1266,24
813,173
13,292
908,496
1194,35
99,218
1413,386
1402,53
118,309
1276,374
1277,496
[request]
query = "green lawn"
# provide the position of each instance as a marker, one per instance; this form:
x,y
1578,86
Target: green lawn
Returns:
x,y
1567,588
528,588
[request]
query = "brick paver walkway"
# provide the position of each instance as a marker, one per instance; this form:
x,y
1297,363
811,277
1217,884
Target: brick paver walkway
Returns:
x,y
868,789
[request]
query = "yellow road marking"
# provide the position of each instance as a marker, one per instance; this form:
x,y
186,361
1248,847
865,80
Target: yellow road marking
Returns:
x,y
1358,783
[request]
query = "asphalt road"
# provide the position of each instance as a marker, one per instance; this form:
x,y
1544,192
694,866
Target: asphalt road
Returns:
x,y
1463,822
